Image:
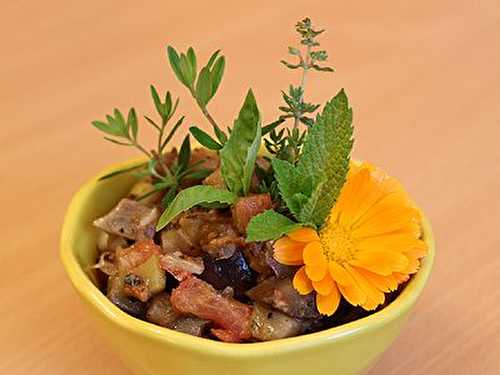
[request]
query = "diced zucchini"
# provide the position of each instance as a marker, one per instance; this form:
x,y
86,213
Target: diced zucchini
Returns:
x,y
152,273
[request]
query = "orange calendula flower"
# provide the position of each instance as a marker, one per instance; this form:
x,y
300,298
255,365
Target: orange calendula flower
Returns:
x,y
369,244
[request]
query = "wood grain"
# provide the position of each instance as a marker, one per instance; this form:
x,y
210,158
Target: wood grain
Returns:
x,y
424,81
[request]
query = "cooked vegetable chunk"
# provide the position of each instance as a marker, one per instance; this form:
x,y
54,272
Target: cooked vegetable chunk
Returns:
x,y
161,312
130,219
247,207
272,325
233,272
181,266
196,297
281,295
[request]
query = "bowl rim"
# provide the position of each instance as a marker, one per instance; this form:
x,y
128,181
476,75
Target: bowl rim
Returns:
x,y
89,292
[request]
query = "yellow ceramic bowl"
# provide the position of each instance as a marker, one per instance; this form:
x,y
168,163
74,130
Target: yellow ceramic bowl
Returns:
x,y
149,349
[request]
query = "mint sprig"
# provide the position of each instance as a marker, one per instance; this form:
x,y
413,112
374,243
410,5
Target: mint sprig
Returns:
x,y
269,225
311,188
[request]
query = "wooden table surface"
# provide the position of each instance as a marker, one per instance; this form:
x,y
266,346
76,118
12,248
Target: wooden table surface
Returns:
x,y
424,81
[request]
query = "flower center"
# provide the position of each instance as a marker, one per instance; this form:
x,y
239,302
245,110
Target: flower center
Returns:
x,y
337,243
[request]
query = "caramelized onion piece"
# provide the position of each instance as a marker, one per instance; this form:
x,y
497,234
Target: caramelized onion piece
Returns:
x,y
181,266
196,297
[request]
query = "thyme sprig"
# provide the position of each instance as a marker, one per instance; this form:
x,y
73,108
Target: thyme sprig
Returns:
x,y
287,145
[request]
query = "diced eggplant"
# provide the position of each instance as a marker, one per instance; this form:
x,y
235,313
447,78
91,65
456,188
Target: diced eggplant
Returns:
x,y
129,219
272,325
281,295
280,270
117,296
196,297
161,312
135,286
248,207
180,266
234,272
256,255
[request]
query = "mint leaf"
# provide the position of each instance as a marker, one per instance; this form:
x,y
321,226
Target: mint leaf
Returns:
x,y
295,188
240,151
269,225
311,188
191,197
325,157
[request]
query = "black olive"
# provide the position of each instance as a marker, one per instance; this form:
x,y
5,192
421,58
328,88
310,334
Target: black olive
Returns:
x,y
233,272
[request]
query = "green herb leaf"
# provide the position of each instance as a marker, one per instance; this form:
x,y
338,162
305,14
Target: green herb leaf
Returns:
x,y
212,59
122,170
184,154
110,128
172,132
191,197
204,87
311,188
216,74
240,152
157,102
204,139
326,156
295,188
192,59
175,63
132,123
269,225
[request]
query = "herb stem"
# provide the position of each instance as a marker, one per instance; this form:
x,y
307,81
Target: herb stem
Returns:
x,y
140,148
305,68
207,114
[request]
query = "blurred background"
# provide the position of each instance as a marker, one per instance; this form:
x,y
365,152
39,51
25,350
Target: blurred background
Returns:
x,y
423,79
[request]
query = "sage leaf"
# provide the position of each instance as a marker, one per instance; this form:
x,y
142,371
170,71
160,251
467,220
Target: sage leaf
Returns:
x,y
240,151
192,197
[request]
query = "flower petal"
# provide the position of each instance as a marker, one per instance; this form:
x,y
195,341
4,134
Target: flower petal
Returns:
x,y
316,273
353,294
324,286
339,274
374,297
304,234
328,304
288,252
383,283
301,282
380,261
313,254
400,277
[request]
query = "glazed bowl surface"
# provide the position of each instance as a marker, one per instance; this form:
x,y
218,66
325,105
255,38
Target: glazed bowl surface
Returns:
x,y
149,349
